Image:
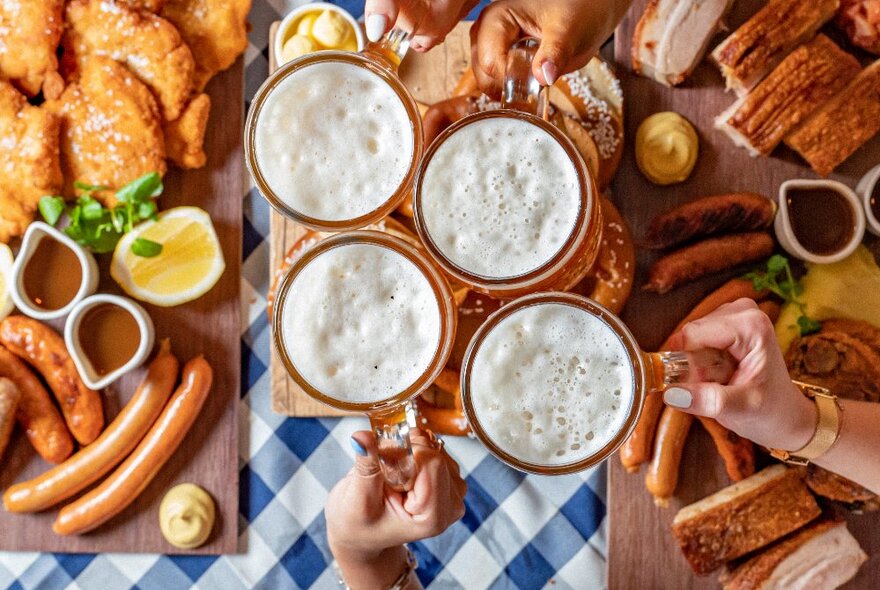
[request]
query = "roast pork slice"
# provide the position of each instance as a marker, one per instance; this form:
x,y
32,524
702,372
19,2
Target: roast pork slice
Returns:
x,y
672,36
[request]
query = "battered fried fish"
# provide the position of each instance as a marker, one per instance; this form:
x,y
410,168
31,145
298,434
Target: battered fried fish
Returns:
x,y
29,165
29,35
111,132
215,30
153,6
149,45
185,136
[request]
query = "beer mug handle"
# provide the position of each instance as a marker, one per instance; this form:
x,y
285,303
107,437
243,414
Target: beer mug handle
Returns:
x,y
392,427
392,47
521,90
696,366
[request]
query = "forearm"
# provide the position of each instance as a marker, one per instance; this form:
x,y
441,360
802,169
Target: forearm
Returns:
x,y
372,571
856,454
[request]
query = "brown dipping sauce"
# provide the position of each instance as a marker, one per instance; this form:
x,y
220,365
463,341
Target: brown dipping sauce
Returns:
x,y
109,337
821,218
53,275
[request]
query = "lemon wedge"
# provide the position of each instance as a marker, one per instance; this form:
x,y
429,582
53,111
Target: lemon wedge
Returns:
x,y
189,264
6,304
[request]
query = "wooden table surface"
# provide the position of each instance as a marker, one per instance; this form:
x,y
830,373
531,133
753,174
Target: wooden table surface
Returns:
x,y
642,551
211,325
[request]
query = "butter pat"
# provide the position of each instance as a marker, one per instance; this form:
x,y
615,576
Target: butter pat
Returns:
x,y
330,29
304,27
849,289
186,516
297,46
667,147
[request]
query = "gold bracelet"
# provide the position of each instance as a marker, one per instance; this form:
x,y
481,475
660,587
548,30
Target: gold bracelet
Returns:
x,y
827,427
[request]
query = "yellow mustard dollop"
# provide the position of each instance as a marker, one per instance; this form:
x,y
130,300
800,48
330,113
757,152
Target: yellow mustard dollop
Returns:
x,y
186,516
667,147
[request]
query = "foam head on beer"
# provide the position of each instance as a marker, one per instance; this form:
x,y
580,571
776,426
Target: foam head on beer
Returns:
x,y
551,384
361,323
500,197
333,141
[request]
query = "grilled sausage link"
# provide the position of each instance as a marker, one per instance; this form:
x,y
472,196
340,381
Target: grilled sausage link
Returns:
x,y
734,212
114,444
44,349
10,394
36,413
707,257
125,484
662,477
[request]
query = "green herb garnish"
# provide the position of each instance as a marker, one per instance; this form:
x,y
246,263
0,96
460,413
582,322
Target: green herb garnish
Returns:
x,y
146,248
95,226
778,279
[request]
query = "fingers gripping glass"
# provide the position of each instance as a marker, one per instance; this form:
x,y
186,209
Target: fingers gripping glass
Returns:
x,y
650,372
390,418
381,58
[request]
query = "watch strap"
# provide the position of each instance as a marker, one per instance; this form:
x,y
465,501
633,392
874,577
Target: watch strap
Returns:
x,y
827,427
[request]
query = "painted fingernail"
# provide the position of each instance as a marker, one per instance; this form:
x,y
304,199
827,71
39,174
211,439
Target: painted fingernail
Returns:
x,y
550,72
375,25
678,397
358,448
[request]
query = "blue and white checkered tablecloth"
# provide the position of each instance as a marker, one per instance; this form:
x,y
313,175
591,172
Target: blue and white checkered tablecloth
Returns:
x,y
518,532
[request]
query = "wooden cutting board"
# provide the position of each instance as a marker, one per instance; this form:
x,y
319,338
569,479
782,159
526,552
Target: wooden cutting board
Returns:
x,y
642,552
430,77
211,326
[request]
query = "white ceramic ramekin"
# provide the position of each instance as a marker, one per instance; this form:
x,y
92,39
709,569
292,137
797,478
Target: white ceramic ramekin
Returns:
x,y
71,339
36,232
864,189
785,233
293,16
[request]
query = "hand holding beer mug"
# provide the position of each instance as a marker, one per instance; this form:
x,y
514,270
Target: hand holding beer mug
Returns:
x,y
364,322
553,383
503,200
333,138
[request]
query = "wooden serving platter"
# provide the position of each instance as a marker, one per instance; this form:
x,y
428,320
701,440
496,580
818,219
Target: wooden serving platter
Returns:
x,y
210,326
430,77
642,552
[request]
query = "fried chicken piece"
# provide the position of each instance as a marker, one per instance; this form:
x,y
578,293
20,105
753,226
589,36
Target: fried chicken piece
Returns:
x,y
215,30
29,167
149,45
185,136
153,6
29,34
111,132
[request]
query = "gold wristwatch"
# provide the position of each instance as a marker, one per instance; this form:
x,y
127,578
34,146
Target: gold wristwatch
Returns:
x,y
827,428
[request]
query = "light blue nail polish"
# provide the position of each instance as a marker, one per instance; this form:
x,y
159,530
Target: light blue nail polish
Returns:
x,y
678,397
358,448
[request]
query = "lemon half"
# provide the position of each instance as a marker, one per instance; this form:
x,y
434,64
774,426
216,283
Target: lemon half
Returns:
x,y
6,305
190,263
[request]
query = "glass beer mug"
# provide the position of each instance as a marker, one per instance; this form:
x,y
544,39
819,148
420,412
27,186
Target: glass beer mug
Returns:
x,y
332,139
364,322
554,383
503,200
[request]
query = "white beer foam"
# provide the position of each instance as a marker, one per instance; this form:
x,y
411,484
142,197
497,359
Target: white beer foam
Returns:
x,y
361,323
333,141
500,197
552,384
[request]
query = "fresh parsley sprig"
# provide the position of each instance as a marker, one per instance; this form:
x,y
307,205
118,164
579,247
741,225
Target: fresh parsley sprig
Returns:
x,y
779,280
100,228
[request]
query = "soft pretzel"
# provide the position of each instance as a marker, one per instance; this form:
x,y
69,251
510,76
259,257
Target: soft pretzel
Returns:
x,y
610,281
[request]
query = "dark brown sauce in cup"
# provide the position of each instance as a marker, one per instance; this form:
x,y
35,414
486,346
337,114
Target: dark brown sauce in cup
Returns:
x,y
875,201
52,275
821,218
109,337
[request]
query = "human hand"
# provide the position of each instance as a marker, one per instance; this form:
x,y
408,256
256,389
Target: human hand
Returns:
x,y
571,32
367,523
433,18
760,402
